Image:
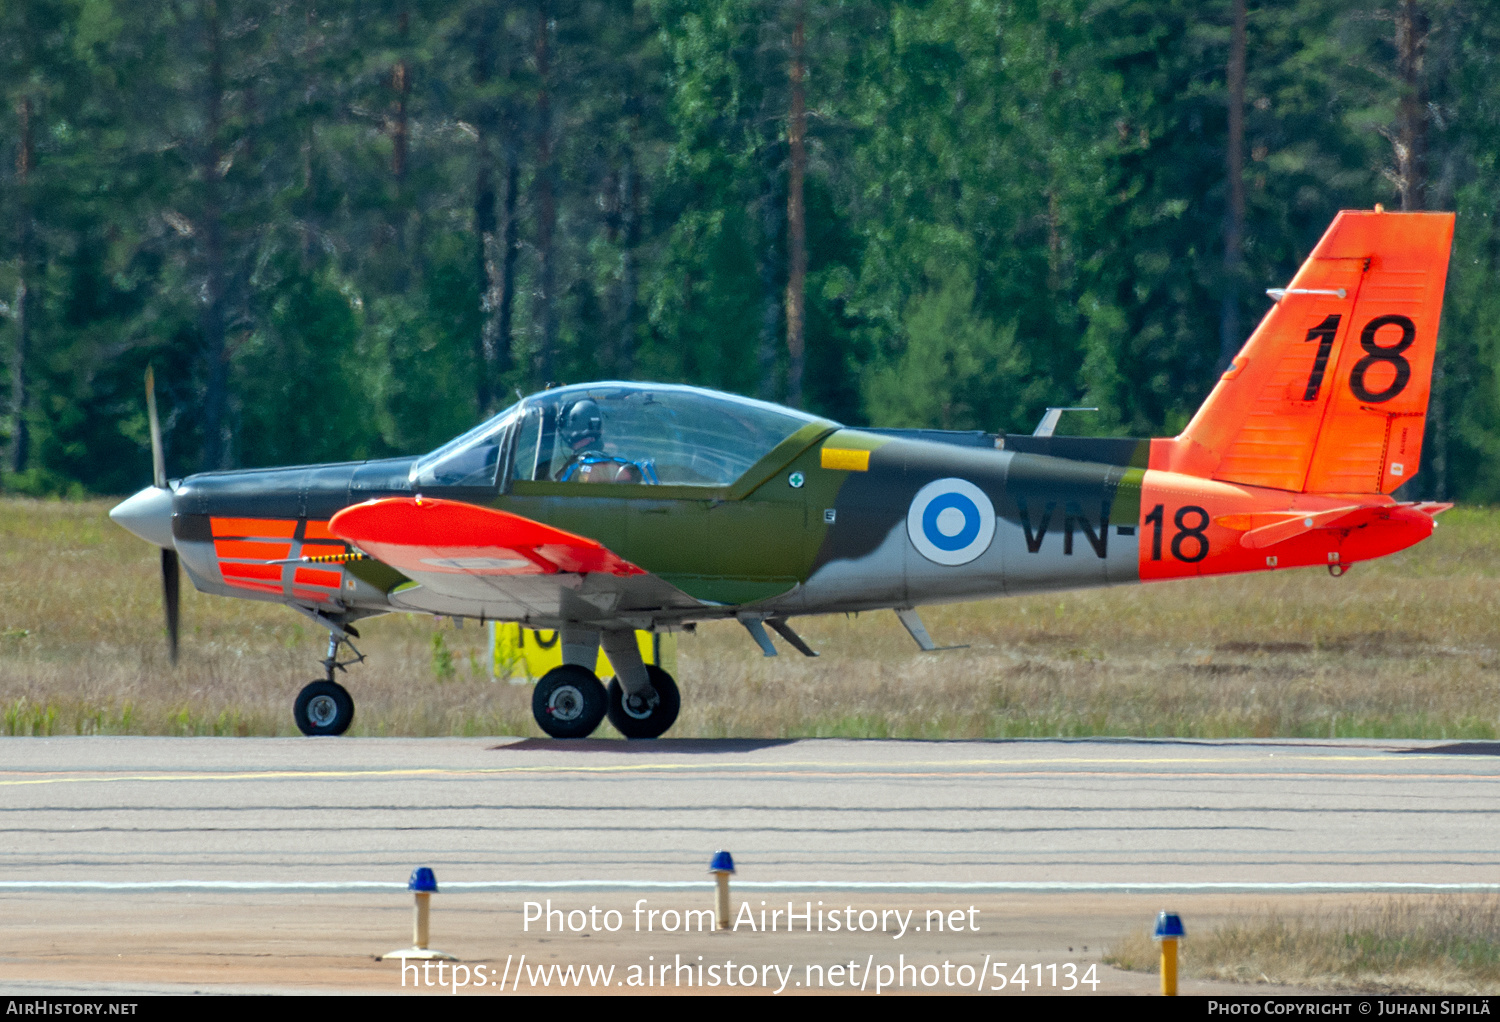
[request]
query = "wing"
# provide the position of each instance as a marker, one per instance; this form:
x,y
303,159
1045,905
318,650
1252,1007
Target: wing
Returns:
x,y
477,561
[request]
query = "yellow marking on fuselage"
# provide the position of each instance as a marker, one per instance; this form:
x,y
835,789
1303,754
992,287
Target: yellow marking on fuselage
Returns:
x,y
845,460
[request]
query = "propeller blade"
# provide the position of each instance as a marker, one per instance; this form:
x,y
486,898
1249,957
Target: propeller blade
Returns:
x,y
170,579
158,460
170,594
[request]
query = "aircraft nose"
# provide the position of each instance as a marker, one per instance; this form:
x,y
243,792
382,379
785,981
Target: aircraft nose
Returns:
x,y
148,514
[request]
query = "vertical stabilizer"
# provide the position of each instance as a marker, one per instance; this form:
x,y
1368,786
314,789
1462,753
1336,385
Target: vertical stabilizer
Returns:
x,y
1329,395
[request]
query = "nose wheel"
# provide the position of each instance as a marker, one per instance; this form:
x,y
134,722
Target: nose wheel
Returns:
x,y
323,708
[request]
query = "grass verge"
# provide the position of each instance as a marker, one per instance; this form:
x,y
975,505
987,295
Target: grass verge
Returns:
x,y
1435,945
1406,647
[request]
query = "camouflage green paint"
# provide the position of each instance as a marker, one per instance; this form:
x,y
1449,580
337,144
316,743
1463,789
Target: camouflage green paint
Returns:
x,y
730,545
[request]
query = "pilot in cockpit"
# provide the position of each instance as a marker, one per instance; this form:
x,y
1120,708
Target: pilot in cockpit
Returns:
x,y
582,429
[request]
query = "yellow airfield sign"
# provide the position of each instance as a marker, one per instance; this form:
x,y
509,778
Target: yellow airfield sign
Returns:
x,y
522,655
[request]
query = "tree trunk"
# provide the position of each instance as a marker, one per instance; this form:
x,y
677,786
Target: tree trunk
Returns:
x,y
487,353
497,272
307,227
1411,178
400,140
1054,244
1411,130
309,222
401,85
770,272
796,219
546,206
1234,170
20,437
510,246
216,393
630,231
487,249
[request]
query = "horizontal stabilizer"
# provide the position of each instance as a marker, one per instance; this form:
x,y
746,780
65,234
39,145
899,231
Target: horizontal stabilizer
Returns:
x,y
1264,529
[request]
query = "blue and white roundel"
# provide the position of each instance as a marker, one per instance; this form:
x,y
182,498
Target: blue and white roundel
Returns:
x,y
951,521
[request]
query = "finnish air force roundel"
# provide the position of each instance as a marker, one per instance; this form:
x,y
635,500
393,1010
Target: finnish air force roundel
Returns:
x,y
951,521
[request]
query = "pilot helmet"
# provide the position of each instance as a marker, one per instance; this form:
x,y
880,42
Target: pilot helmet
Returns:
x,y
582,424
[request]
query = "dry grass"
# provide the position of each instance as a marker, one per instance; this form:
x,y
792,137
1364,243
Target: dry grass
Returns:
x,y
1401,945
1406,647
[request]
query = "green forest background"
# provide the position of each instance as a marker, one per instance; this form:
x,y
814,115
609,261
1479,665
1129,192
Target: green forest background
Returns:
x,y
344,230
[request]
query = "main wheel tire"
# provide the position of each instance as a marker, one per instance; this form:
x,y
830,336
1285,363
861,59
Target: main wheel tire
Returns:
x,y
634,718
323,708
569,702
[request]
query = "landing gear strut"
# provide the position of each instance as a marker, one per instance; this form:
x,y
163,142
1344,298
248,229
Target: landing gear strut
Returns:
x,y
325,707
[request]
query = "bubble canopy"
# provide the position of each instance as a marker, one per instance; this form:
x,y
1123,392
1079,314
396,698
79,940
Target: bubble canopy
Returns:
x,y
616,432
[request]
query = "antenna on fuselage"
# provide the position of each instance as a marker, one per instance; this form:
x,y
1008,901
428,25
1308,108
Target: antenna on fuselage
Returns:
x,y
1048,425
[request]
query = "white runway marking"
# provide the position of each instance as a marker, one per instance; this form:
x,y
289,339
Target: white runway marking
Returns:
x,y
976,887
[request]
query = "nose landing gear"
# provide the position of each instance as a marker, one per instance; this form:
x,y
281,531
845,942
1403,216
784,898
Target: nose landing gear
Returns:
x,y
325,707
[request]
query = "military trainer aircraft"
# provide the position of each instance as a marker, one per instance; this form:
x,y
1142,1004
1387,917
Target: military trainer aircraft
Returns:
x,y
605,508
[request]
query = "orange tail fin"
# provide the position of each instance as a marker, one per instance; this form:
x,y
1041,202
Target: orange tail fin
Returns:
x,y
1329,395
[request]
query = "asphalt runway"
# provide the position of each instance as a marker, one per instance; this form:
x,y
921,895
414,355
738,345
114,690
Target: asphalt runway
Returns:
x,y
497,811
162,865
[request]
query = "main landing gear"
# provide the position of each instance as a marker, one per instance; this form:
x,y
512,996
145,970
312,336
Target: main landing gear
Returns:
x,y
325,707
570,701
645,715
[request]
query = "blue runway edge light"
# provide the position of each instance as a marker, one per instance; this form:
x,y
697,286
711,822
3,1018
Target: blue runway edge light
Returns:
x,y
723,863
422,880
1169,924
